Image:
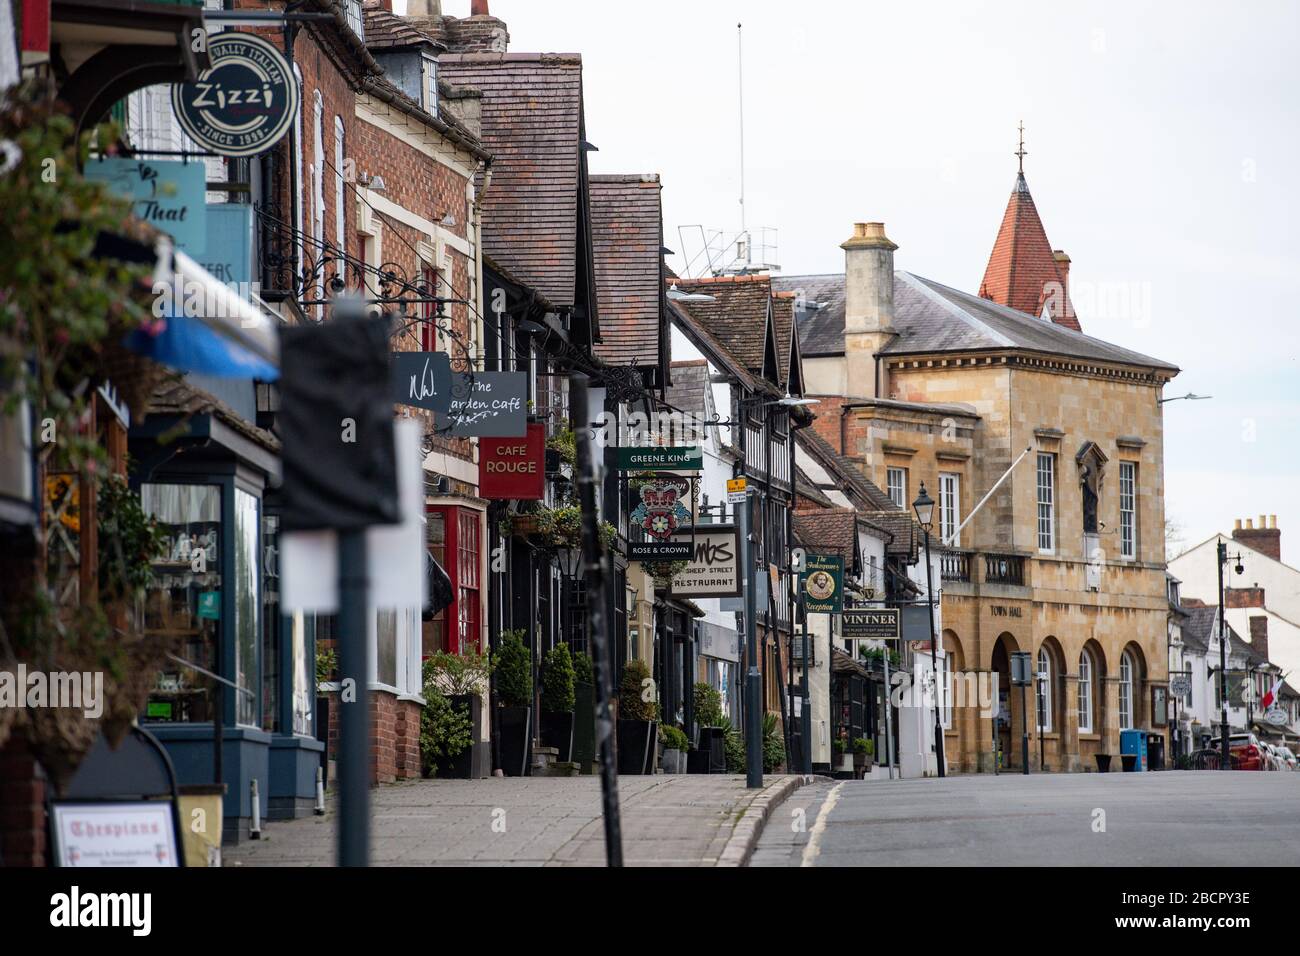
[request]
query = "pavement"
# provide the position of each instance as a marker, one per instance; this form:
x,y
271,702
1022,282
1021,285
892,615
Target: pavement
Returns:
x,y
1174,818
667,820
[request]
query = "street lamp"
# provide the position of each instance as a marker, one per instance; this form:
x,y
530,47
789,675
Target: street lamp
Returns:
x,y
570,561
1192,396
1225,759
924,508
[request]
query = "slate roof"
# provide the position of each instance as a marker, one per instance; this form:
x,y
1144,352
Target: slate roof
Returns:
x,y
737,316
829,530
1198,633
931,317
689,390
627,234
1022,271
532,125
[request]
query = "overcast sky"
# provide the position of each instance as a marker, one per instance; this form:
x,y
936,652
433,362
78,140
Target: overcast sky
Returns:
x,y
1163,147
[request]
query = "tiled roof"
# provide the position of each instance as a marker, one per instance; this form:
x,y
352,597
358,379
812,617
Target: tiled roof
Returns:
x,y
871,503
1022,272
807,490
176,396
711,345
387,31
690,389
932,317
532,124
828,530
737,316
782,324
627,233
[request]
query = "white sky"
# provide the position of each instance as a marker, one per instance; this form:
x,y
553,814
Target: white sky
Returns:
x,y
1162,145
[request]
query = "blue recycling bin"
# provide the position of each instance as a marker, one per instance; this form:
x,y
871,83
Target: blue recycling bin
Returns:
x,y
1134,742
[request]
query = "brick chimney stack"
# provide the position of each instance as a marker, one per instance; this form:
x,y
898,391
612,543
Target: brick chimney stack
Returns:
x,y
868,307
1259,635
1266,539
480,32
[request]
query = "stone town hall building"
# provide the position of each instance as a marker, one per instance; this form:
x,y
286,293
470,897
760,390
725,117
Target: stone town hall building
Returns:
x,y
923,383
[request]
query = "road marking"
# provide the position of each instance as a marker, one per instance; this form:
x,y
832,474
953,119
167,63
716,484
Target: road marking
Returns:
x,y
814,838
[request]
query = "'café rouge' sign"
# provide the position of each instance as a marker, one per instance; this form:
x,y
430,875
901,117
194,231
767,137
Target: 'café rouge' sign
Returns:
x,y
513,467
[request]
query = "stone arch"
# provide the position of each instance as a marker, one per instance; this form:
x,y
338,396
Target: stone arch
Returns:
x,y
1094,685
1134,662
1051,648
1009,717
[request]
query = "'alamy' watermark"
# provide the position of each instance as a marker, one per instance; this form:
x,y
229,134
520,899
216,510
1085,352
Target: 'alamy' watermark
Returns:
x,y
77,690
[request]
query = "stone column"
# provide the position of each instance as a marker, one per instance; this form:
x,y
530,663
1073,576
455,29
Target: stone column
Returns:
x,y
1110,725
1070,762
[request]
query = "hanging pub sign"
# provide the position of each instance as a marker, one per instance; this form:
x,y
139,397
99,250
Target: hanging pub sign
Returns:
x,y
513,468
822,581
169,195
244,103
487,404
714,568
666,458
880,624
661,511
422,379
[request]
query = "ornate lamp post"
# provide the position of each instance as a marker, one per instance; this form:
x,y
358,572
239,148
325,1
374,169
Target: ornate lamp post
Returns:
x,y
924,508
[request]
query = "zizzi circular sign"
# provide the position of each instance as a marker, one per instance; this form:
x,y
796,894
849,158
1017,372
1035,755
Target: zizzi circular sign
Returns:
x,y
244,103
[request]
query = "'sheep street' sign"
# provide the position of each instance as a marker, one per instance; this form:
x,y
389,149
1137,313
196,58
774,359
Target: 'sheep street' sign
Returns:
x,y
513,467
244,103
714,568
679,458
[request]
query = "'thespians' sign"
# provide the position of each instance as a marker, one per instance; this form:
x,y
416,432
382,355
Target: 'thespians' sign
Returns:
x,y
244,103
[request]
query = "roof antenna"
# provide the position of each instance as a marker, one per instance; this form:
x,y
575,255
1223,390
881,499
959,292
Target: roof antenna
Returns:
x,y
740,96
1021,151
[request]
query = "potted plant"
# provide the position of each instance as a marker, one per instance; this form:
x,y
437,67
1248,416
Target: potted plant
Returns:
x,y
463,679
636,720
773,744
558,702
845,759
675,748
863,750
515,692
711,753
584,712
445,729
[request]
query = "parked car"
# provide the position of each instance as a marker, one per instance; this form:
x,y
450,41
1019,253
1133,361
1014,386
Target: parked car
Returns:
x,y
1246,752
1268,756
1287,756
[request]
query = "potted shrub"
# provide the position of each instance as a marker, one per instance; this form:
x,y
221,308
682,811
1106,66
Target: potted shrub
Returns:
x,y
844,758
636,720
712,745
558,702
515,692
773,744
675,748
584,712
863,750
463,680
445,729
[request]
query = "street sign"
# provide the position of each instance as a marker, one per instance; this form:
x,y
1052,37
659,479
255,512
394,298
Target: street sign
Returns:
x,y
487,405
513,468
1180,684
167,194
661,458
822,580
664,508
714,568
244,103
422,379
736,491
1276,715
882,624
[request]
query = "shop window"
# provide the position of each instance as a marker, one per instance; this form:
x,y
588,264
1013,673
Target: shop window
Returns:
x,y
435,631
248,610
183,601
429,310
386,647
467,550
455,543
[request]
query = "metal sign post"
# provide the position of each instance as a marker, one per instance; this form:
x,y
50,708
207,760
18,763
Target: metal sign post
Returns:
x,y
1020,677
753,689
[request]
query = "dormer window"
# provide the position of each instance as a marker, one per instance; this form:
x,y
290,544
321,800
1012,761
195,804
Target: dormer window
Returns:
x,y
429,95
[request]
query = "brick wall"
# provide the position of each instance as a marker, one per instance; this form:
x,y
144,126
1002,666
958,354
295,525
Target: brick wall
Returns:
x,y
1243,597
22,806
394,737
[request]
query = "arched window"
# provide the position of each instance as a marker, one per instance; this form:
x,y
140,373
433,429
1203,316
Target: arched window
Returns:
x,y
1126,669
1085,693
1044,689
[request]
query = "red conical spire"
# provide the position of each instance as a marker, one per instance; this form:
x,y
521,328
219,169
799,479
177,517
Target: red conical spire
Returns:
x,y
1023,272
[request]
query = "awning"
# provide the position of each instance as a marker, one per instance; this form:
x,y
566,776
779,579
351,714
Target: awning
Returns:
x,y
205,326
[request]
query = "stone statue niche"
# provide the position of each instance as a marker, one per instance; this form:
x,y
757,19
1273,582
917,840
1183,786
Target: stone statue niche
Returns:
x,y
1092,464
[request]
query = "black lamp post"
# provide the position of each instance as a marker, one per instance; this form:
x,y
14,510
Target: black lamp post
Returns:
x,y
924,508
1225,759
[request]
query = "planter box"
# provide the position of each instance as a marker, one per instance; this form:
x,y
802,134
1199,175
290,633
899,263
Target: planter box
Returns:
x,y
584,726
674,761
636,746
514,734
1103,762
711,754
557,732
461,767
